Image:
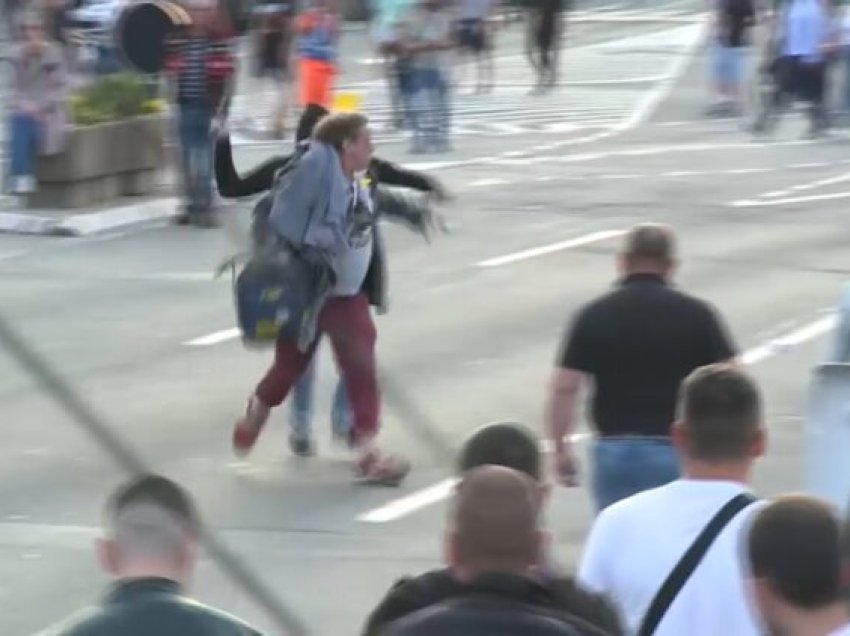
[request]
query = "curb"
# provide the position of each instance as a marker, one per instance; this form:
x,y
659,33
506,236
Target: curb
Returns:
x,y
52,223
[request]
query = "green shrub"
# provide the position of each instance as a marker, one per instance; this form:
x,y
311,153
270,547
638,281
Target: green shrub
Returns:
x,y
113,98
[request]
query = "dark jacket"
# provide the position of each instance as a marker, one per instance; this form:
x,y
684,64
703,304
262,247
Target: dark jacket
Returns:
x,y
593,615
380,173
144,607
495,605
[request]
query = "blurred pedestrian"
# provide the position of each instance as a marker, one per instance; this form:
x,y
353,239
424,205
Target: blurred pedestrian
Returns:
x,y
635,344
512,446
151,550
802,42
387,33
201,65
318,50
681,571
493,543
274,34
261,179
794,551
733,21
428,42
39,103
545,23
475,39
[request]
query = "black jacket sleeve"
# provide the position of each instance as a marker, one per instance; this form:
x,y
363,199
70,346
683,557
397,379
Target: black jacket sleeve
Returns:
x,y
231,185
387,173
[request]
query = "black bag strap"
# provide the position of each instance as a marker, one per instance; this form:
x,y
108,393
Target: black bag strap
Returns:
x,y
688,563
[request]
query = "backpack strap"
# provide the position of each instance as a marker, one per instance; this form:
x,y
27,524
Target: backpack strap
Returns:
x,y
690,560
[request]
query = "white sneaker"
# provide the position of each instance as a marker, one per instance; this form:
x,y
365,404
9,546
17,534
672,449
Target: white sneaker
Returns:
x,y
23,184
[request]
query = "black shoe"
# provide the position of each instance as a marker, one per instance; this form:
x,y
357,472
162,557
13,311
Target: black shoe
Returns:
x,y
301,446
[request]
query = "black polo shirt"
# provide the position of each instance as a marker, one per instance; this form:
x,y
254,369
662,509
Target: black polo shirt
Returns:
x,y
639,342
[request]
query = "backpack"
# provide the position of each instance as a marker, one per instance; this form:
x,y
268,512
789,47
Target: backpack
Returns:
x,y
282,286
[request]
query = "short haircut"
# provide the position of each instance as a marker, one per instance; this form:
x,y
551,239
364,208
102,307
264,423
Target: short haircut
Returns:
x,y
338,128
496,519
502,444
794,543
151,516
650,243
721,413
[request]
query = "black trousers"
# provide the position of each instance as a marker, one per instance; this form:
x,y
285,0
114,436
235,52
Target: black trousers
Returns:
x,y
795,78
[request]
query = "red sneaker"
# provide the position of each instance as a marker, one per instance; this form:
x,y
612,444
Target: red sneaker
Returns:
x,y
249,426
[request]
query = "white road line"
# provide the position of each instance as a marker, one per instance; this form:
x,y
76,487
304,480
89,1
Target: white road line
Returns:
x,y
750,203
534,252
431,495
796,337
483,183
214,338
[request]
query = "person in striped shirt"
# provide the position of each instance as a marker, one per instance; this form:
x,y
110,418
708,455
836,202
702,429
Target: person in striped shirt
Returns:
x,y
200,64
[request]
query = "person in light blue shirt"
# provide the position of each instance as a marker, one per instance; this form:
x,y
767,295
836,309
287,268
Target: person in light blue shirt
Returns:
x,y
802,43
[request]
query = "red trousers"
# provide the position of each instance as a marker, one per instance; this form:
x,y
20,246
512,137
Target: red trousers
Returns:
x,y
347,321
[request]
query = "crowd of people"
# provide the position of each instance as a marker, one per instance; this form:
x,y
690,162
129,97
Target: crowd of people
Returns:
x,y
722,561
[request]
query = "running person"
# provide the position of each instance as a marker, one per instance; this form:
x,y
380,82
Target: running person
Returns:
x,y
259,180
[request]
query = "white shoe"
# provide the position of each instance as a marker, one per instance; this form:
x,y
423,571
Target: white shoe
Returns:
x,y
23,184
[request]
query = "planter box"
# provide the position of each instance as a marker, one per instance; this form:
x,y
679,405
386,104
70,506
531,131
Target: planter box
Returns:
x,y
102,163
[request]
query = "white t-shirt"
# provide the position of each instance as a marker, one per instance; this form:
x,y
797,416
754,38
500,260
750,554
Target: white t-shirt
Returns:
x,y
635,544
352,265
844,631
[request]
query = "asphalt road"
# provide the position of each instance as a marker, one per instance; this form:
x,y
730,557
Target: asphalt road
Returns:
x,y
474,324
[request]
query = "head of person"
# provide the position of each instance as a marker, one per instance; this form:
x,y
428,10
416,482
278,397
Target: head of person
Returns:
x,y
507,444
794,551
32,31
152,530
308,121
203,14
495,524
720,431
349,135
649,248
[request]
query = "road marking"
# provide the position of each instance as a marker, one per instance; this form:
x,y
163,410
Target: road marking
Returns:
x,y
431,495
534,252
214,338
483,183
751,203
796,337
773,196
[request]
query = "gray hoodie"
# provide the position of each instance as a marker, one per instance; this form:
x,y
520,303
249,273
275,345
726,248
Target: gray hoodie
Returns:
x,y
313,208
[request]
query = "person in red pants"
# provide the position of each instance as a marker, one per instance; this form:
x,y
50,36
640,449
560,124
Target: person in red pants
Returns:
x,y
325,207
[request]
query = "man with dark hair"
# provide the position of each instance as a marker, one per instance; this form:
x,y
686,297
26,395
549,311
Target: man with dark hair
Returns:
x,y
493,543
794,550
151,550
514,446
659,554
636,343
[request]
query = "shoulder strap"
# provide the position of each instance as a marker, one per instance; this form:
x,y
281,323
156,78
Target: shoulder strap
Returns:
x,y
688,563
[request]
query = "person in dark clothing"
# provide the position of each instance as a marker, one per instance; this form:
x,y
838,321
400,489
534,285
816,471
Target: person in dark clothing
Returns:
x,y
260,179
512,446
545,25
151,551
493,544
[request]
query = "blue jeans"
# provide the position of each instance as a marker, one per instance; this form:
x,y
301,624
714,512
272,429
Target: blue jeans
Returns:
x,y
194,127
24,135
625,466
301,414
431,114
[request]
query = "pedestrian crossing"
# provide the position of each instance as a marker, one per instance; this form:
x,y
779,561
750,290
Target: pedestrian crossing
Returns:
x,y
601,85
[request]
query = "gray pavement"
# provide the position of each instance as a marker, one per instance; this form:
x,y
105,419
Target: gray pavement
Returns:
x,y
464,343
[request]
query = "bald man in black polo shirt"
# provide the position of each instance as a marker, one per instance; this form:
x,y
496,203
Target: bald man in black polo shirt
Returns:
x,y
636,343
